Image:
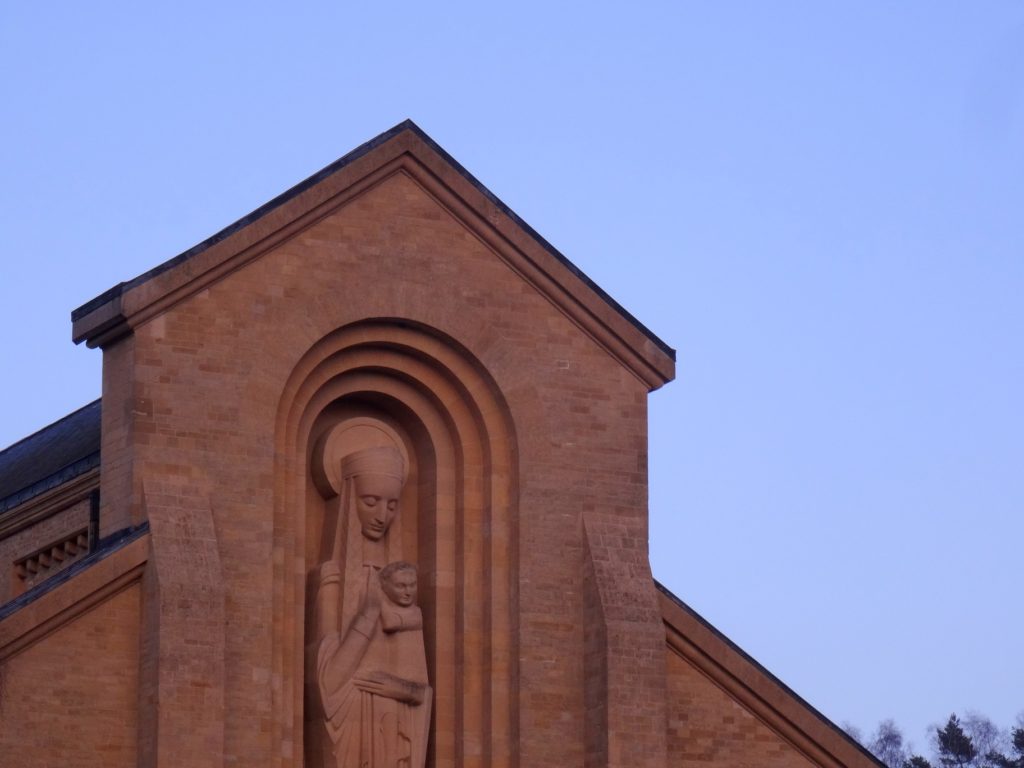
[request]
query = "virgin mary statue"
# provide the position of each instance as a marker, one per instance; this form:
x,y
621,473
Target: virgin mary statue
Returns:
x,y
370,664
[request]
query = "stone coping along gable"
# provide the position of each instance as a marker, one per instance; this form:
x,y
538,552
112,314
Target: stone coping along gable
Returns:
x,y
690,637
405,147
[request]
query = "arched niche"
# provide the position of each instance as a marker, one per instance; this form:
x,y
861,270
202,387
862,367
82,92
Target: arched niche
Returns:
x,y
457,524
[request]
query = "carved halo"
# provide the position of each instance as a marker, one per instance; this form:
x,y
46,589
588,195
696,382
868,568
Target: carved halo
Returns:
x,y
346,437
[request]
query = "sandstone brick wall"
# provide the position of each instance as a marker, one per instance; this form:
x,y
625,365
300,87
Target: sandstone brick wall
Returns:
x,y
70,699
199,410
392,284
706,727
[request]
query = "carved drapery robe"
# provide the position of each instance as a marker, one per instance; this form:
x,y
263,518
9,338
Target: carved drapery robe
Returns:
x,y
369,730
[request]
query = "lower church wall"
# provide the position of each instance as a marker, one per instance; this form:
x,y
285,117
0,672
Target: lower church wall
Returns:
x,y
71,698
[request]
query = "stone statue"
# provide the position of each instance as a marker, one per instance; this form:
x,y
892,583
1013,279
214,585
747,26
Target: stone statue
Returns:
x,y
371,666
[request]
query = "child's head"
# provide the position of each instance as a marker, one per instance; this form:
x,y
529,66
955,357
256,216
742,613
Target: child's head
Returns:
x,y
398,581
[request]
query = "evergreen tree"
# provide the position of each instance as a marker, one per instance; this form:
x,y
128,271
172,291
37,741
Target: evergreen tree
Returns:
x,y
956,750
916,761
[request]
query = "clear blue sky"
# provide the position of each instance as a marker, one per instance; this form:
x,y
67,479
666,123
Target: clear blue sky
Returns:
x,y
820,205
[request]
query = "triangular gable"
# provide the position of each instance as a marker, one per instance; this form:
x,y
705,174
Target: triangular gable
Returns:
x,y
408,149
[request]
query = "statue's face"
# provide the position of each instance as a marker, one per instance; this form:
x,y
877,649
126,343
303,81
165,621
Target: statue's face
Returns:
x,y
376,503
400,587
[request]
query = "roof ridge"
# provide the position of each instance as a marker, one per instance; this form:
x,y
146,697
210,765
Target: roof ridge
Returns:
x,y
330,169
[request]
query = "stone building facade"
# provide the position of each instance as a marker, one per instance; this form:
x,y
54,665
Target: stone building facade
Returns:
x,y
383,364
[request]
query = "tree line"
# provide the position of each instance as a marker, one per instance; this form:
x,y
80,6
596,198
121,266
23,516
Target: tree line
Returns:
x,y
972,742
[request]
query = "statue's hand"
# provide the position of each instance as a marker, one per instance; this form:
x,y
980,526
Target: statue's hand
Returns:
x,y
391,687
374,598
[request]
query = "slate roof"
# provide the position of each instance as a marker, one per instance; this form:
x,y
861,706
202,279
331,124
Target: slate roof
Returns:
x,y
55,454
